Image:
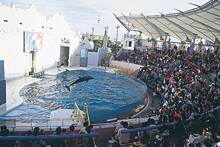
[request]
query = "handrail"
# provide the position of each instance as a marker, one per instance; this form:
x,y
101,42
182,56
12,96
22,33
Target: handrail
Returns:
x,y
110,60
78,112
46,137
87,112
119,52
160,125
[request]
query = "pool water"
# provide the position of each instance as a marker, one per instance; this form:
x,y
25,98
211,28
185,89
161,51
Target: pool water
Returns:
x,y
108,95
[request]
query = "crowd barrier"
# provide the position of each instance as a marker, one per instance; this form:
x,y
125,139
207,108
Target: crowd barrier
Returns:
x,y
49,137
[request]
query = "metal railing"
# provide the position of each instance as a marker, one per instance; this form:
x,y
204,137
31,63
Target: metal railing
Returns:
x,y
77,119
50,137
168,124
87,113
78,114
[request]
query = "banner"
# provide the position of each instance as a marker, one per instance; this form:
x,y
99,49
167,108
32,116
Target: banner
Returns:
x,y
33,41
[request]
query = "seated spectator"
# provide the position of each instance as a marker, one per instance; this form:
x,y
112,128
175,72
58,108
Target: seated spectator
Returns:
x,y
36,131
200,138
123,138
72,141
116,144
133,135
57,142
83,130
92,131
2,129
117,128
6,143
153,132
143,135
87,141
64,132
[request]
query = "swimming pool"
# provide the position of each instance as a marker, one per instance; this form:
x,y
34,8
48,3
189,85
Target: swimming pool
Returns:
x,y
107,96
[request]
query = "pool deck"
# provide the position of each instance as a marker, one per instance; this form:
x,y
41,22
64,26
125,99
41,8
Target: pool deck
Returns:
x,y
13,86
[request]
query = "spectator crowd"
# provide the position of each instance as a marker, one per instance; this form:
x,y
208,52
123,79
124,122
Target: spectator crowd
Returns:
x,y
178,78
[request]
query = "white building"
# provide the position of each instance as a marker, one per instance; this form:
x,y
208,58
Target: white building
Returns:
x,y
59,41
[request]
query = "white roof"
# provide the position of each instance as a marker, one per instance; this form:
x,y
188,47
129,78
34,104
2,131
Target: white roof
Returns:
x,y
203,20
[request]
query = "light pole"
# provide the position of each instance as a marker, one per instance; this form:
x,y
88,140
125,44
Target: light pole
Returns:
x,y
117,34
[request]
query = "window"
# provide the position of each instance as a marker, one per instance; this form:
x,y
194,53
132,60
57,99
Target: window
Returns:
x,y
130,42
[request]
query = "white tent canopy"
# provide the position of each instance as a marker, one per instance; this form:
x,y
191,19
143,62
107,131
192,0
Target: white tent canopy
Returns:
x,y
204,21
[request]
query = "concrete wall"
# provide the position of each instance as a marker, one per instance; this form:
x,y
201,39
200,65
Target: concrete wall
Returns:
x,y
93,58
54,28
102,52
125,66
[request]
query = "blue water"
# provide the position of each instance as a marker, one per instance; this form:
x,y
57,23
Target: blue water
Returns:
x,y
107,95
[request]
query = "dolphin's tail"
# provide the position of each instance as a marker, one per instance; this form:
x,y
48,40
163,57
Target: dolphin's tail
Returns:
x,y
68,87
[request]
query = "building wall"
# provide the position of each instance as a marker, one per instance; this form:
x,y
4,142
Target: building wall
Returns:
x,y
126,67
126,43
54,28
93,58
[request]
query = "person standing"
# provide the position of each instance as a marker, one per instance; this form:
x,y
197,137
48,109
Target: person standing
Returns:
x,y
58,67
106,64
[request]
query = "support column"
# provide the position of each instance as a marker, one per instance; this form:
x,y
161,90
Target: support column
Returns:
x,y
169,43
164,43
2,83
34,60
140,38
153,43
192,45
117,34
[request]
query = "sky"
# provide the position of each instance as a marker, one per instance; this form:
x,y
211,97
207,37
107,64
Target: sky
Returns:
x,y
82,15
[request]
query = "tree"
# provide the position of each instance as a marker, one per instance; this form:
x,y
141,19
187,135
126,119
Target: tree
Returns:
x,y
97,44
115,48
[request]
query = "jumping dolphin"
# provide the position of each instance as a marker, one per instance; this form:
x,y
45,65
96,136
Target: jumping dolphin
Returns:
x,y
81,79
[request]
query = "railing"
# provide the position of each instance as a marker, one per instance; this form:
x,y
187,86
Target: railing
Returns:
x,y
77,119
78,113
168,124
87,113
110,60
38,122
46,137
50,137
119,52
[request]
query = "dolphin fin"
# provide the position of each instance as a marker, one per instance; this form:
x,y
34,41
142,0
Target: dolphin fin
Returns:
x,y
68,87
79,77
